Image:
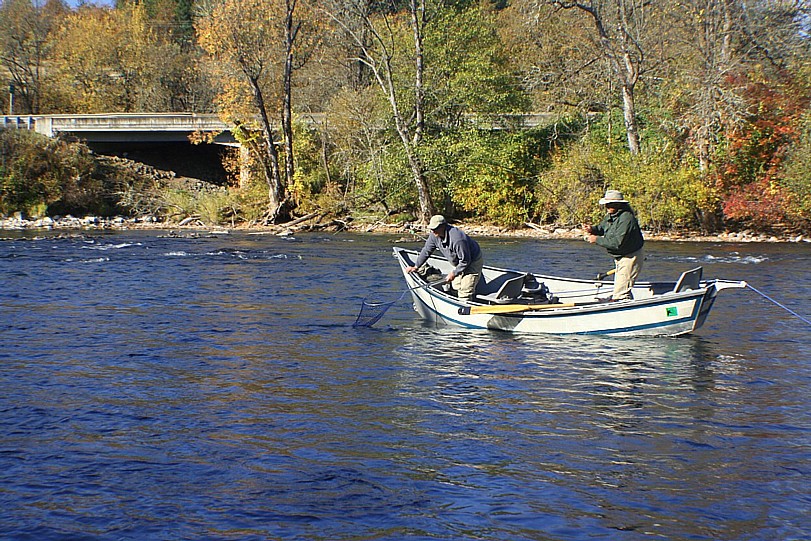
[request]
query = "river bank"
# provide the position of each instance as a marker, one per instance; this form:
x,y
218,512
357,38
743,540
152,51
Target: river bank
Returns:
x,y
407,230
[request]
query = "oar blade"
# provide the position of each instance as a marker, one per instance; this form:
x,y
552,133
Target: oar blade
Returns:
x,y
510,308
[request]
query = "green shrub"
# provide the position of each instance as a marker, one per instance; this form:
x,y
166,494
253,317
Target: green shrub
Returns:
x,y
177,204
664,192
488,175
38,173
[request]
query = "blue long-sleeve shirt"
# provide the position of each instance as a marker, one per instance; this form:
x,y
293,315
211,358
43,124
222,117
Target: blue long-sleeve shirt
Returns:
x,y
456,246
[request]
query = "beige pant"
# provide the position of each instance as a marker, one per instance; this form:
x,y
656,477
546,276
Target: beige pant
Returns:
x,y
628,268
465,285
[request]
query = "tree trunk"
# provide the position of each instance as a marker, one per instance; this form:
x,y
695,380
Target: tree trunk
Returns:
x,y
629,114
717,35
287,107
427,208
417,23
270,160
380,65
624,53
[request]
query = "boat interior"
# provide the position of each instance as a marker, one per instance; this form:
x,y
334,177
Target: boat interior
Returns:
x,y
503,286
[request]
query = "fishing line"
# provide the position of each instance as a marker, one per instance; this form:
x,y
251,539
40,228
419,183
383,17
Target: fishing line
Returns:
x,y
437,315
789,310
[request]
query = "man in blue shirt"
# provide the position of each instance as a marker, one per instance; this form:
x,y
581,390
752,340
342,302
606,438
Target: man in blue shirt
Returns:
x,y
460,250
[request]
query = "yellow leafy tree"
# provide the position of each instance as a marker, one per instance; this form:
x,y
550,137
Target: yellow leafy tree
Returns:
x,y
111,60
255,46
25,41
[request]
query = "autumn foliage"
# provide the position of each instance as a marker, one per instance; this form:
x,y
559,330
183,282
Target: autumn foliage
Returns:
x,y
750,174
697,110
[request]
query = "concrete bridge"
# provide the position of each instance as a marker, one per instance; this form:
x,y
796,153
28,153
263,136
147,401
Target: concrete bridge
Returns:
x,y
153,127
157,139
123,127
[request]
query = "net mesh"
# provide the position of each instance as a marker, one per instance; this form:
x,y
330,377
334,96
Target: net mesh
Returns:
x,y
371,312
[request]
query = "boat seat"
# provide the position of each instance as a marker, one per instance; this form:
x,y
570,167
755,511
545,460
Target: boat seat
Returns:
x,y
689,280
509,291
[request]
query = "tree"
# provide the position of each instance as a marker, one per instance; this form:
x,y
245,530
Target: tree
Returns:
x,y
468,69
171,17
300,38
236,34
464,70
703,47
375,43
558,68
24,47
621,29
258,44
113,60
737,94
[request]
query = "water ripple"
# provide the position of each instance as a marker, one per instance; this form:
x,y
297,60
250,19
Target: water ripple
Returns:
x,y
213,388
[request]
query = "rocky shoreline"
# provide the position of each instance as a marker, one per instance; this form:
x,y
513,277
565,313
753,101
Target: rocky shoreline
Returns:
x,y
96,223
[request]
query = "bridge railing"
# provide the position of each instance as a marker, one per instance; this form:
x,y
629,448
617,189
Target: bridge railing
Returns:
x,y
50,125
26,122
130,122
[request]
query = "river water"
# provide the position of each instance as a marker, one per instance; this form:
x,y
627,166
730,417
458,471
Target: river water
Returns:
x,y
196,386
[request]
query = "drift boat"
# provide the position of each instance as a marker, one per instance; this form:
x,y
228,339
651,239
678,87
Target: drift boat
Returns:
x,y
510,300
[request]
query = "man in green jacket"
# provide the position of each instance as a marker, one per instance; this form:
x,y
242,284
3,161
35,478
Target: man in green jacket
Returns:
x,y
620,235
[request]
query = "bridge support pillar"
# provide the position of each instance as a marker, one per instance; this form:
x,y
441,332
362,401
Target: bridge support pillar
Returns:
x,y
244,166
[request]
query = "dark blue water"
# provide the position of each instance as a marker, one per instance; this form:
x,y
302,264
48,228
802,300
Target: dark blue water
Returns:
x,y
212,387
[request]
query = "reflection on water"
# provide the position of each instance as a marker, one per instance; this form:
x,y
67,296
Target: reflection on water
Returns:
x,y
213,388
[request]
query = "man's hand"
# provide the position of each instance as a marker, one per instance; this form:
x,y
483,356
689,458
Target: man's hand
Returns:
x,y
450,277
409,270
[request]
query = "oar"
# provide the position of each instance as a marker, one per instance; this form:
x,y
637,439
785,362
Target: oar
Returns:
x,y
510,308
604,275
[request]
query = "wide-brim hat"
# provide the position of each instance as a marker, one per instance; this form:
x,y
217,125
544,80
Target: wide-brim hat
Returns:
x,y
436,221
612,196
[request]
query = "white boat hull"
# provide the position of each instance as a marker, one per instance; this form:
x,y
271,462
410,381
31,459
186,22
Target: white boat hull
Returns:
x,y
651,313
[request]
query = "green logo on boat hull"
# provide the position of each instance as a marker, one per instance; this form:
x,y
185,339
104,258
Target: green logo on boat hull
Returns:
x,y
672,311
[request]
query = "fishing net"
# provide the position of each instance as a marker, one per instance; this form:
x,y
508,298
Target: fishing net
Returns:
x,y
371,312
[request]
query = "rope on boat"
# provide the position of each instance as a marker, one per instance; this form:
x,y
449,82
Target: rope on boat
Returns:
x,y
789,310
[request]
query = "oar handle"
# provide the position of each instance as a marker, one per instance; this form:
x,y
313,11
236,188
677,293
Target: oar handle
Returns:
x,y
604,275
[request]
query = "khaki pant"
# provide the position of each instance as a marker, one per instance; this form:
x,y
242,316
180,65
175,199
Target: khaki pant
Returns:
x,y
465,285
628,268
